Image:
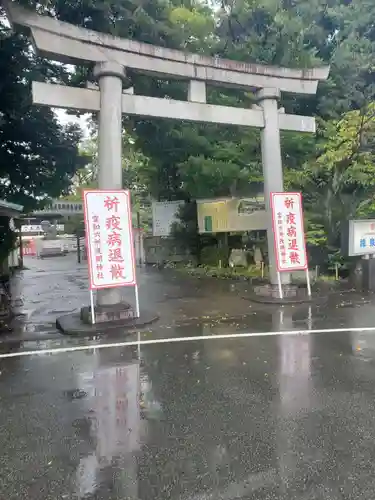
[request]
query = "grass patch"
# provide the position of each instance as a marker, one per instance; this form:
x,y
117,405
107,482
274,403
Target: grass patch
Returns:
x,y
235,273
252,273
328,278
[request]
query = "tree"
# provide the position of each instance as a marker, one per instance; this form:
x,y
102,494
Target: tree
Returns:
x,y
339,183
85,177
38,156
334,169
192,160
136,174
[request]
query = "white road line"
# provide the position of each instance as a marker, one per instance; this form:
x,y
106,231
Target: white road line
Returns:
x,y
59,350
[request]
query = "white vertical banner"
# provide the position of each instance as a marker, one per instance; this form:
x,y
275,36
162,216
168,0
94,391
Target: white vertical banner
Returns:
x,y
288,232
109,238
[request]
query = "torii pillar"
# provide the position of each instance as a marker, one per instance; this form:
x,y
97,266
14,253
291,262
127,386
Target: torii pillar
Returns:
x,y
268,99
110,76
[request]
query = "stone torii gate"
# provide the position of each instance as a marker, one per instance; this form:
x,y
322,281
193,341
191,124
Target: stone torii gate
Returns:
x,y
112,56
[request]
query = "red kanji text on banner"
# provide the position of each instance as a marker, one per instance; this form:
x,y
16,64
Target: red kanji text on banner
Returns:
x,y
109,236
288,232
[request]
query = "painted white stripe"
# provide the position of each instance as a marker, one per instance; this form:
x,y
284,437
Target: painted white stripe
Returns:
x,y
86,347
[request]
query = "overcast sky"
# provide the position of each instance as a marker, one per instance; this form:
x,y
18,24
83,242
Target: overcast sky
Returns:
x,y
64,118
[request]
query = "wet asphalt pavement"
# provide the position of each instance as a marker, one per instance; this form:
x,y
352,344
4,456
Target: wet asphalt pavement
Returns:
x,y
280,417
52,287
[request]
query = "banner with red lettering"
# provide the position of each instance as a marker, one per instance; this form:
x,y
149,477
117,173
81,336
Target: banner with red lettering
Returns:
x,y
288,231
109,237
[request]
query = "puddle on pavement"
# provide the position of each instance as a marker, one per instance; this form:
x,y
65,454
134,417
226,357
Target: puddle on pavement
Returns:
x,y
62,311
37,327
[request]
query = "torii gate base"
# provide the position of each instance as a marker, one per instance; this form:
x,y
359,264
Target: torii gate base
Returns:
x,y
113,321
111,56
270,294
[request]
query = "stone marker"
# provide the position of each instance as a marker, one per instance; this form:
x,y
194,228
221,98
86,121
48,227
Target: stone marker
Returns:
x,y
238,258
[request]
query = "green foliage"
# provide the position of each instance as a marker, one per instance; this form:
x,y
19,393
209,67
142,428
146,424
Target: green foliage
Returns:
x,y
339,183
315,233
186,231
85,177
168,160
236,273
73,225
38,156
215,256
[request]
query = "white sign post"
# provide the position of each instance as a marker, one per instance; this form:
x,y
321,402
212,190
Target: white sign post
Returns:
x,y
109,237
164,214
361,237
289,235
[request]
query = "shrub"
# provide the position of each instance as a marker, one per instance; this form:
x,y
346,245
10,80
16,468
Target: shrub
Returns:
x,y
211,256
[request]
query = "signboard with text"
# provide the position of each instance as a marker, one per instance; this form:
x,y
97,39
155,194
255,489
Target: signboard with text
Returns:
x,y
288,231
164,214
361,237
109,238
220,215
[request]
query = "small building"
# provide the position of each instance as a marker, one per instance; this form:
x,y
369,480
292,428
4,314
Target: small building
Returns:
x,y
58,213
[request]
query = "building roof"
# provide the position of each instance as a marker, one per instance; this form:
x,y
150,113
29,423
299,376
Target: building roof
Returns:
x,y
10,209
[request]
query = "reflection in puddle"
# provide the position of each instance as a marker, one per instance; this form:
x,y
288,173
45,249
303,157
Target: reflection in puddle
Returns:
x,y
86,476
294,372
295,397
113,404
116,411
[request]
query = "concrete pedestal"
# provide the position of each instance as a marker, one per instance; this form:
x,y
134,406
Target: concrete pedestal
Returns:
x,y
110,320
105,314
270,294
71,324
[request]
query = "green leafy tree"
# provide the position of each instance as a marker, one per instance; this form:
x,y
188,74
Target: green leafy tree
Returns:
x,y
188,161
339,183
38,156
85,177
